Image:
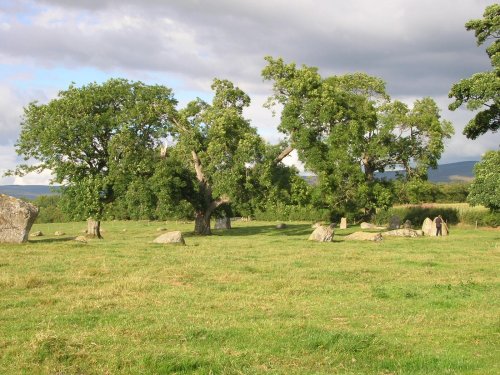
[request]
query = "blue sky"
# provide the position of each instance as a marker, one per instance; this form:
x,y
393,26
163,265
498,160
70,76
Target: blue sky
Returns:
x,y
419,47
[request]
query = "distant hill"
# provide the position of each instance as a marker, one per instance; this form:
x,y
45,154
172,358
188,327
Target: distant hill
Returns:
x,y
453,172
27,191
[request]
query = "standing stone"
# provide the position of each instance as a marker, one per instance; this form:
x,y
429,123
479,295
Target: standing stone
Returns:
x,y
427,227
170,237
343,223
394,222
407,224
223,223
16,219
322,234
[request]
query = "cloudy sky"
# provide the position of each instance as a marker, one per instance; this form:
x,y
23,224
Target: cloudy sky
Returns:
x,y
419,47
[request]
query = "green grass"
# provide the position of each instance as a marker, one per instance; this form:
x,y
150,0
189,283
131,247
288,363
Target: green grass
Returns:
x,y
252,300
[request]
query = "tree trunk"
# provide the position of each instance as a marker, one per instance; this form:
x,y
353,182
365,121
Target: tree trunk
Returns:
x,y
93,228
202,223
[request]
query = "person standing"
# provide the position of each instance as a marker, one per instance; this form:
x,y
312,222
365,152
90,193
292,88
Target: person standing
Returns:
x,y
439,225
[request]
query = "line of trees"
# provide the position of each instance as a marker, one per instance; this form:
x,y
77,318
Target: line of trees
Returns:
x,y
105,144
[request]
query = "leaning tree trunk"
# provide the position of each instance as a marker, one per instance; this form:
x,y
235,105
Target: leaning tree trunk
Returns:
x,y
202,223
93,228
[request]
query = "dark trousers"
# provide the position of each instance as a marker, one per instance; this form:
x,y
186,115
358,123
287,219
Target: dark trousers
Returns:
x,y
438,231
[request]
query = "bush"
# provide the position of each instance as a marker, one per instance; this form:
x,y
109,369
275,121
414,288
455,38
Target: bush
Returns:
x,y
452,215
417,214
284,212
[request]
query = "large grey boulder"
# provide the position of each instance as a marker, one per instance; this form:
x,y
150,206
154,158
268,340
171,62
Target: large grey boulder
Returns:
x,y
394,222
403,233
223,223
174,237
364,236
322,234
16,219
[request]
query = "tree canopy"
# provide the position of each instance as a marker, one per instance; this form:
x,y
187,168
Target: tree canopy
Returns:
x,y
345,128
485,189
90,135
481,91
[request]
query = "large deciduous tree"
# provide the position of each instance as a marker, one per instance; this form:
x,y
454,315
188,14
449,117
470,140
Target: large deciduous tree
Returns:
x,y
485,189
88,136
218,144
345,129
481,91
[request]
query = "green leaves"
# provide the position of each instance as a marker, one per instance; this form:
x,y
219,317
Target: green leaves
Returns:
x,y
485,189
92,135
482,89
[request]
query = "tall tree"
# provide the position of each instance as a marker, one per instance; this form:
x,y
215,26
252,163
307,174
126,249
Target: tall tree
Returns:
x,y
345,128
485,189
481,91
217,143
90,135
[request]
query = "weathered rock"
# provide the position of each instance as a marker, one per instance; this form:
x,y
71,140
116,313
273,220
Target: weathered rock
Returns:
x,y
223,223
81,239
316,225
427,227
174,237
364,236
16,219
322,234
59,233
281,226
407,224
343,223
394,222
365,225
402,233
37,233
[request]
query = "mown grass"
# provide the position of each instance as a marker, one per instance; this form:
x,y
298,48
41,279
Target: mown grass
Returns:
x,y
252,300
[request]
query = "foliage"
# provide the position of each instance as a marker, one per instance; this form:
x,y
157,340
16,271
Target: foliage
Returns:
x,y
452,213
482,89
49,209
485,189
417,214
91,135
216,143
345,128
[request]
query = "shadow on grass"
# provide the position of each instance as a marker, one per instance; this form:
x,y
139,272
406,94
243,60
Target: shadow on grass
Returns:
x,y
51,240
270,230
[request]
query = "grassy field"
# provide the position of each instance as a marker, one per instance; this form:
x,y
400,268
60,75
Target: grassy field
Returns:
x,y
252,300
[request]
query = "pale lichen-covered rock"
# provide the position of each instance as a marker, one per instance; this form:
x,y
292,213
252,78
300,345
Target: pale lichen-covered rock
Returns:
x,y
427,227
402,233
59,233
16,219
343,223
37,233
81,239
174,237
322,234
281,226
364,236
